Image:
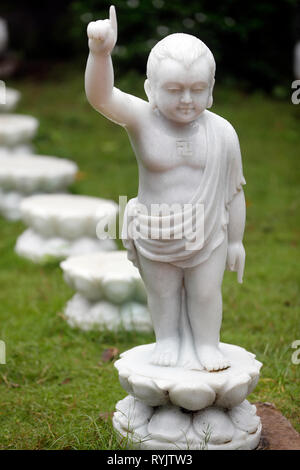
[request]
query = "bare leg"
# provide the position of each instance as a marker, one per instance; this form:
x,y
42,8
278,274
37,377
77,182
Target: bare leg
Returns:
x,y
163,284
204,305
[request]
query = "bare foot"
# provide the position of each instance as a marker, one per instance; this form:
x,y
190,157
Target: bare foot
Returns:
x,y
165,352
211,358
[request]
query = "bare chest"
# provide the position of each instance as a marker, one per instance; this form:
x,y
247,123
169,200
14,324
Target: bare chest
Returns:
x,y
161,151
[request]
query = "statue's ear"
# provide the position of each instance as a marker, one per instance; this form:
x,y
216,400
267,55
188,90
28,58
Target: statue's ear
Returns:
x,y
147,88
210,98
148,91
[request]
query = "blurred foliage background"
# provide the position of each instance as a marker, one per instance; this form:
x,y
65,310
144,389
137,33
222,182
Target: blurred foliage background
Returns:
x,y
252,41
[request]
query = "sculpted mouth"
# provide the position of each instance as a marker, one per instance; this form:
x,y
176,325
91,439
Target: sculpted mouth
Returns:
x,y
181,108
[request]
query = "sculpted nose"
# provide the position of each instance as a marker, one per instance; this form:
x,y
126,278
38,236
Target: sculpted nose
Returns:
x,y
186,97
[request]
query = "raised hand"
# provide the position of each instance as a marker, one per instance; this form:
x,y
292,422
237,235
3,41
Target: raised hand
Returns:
x,y
103,34
236,259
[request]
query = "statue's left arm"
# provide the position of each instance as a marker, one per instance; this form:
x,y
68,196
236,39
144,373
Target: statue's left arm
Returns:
x,y
236,209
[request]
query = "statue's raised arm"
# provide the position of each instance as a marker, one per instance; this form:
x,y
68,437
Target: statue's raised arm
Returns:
x,y
117,106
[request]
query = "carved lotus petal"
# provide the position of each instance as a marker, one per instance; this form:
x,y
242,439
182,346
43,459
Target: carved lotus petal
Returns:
x,y
17,128
146,390
169,424
111,271
244,417
39,249
235,392
118,291
194,389
124,382
81,313
171,427
76,306
106,315
87,287
71,215
72,228
36,173
43,225
253,383
213,425
192,396
132,413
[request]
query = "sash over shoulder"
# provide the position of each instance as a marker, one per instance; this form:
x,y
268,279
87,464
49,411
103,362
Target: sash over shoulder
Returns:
x,y
221,180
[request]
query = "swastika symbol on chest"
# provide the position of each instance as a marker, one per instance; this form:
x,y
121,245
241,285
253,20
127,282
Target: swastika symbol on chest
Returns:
x,y
184,148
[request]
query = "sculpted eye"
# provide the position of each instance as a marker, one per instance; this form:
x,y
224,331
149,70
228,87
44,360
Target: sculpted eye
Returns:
x,y
199,87
174,90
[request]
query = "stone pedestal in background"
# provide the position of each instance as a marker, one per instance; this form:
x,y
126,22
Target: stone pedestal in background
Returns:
x,y
12,98
110,293
24,175
62,225
16,133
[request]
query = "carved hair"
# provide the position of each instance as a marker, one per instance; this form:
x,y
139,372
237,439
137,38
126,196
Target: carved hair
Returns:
x,y
181,47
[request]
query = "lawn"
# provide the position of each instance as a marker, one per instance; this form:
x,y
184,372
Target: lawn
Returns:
x,y
55,390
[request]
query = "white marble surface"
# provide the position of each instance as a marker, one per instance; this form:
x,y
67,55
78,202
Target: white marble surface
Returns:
x,y
16,150
40,249
110,293
105,276
17,129
25,175
28,174
70,216
169,427
62,225
12,97
185,387
188,157
105,315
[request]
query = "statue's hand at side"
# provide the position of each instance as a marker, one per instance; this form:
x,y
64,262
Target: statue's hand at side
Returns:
x,y
103,34
236,259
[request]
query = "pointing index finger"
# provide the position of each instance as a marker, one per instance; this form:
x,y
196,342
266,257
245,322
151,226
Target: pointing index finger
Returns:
x,y
113,18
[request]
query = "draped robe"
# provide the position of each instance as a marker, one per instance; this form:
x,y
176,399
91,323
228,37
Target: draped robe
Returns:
x,y
221,179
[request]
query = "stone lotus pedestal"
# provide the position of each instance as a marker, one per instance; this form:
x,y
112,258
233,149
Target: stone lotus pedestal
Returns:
x,y
110,293
16,133
177,408
12,98
25,175
62,225
188,157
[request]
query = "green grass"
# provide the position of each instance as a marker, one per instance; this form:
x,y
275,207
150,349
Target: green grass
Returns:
x,y
54,389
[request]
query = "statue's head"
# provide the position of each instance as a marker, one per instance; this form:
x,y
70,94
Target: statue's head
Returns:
x,y
180,77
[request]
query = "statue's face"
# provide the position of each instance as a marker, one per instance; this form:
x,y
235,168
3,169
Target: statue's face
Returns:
x,y
181,94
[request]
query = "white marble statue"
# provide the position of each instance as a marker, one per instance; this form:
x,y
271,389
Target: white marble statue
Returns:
x,y
184,153
188,158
